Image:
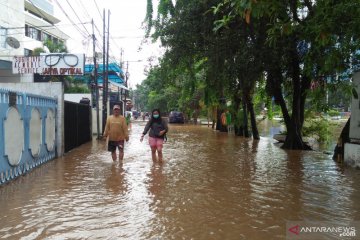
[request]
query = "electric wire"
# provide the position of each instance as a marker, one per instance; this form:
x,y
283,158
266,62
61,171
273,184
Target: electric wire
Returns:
x,y
84,35
97,7
77,16
42,13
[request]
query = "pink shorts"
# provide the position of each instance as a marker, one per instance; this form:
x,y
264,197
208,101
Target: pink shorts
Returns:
x,y
156,143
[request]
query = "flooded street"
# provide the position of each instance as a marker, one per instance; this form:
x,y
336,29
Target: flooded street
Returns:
x,y
211,186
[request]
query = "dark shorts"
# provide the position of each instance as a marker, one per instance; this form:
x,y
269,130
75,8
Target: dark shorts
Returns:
x,y
113,144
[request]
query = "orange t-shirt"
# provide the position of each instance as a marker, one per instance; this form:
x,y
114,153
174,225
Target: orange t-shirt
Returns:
x,y
116,128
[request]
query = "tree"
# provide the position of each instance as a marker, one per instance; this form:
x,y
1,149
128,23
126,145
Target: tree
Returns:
x,y
302,41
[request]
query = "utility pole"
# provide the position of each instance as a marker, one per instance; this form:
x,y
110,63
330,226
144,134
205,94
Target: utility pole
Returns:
x,y
121,58
96,82
104,115
126,78
107,63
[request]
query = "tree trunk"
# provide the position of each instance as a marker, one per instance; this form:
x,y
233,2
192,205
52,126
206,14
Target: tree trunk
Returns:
x,y
237,128
213,116
305,86
254,128
275,82
294,136
294,139
239,131
218,121
245,122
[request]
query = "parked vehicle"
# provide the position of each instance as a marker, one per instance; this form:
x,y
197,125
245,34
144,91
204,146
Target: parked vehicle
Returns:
x,y
135,114
176,117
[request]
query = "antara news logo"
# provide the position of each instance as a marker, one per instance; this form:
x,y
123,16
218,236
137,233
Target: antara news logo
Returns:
x,y
341,231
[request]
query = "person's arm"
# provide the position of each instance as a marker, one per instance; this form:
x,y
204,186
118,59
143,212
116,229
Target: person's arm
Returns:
x,y
126,131
146,129
166,127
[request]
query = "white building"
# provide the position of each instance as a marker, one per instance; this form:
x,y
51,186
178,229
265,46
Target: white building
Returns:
x,y
24,26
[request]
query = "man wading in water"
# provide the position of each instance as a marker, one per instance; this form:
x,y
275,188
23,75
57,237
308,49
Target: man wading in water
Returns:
x,y
117,130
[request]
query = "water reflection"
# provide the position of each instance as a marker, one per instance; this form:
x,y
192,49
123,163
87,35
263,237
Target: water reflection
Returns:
x,y
156,180
115,181
211,186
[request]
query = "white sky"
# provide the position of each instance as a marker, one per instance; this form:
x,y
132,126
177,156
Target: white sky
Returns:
x,y
126,17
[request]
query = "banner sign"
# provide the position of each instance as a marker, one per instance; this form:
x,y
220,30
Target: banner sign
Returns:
x,y
50,64
26,65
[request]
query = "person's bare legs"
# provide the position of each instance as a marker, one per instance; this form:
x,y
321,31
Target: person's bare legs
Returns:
x,y
121,154
153,153
160,155
113,155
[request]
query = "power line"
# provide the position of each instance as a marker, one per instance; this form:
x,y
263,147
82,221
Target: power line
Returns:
x,y
86,13
47,26
84,9
97,7
75,26
123,37
42,13
77,16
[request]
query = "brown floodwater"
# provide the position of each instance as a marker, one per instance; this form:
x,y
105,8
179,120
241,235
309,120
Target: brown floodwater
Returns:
x,y
211,186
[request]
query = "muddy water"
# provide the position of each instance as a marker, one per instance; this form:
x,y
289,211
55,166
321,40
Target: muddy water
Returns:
x,y
211,186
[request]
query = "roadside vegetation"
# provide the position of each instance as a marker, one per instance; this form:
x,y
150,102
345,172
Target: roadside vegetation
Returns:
x,y
293,58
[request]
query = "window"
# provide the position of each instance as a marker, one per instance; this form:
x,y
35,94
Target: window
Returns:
x,y
32,32
3,35
27,52
45,36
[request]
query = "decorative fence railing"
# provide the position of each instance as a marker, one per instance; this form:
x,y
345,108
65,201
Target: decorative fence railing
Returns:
x,y
27,132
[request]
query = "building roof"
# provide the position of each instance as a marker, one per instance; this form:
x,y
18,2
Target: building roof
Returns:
x,y
43,9
115,73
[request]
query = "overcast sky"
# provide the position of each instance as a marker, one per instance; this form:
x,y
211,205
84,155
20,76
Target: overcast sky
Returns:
x,y
126,32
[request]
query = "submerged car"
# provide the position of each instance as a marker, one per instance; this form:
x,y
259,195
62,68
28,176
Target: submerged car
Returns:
x,y
176,117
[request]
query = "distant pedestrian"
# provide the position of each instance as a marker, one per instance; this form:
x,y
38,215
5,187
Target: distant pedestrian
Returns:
x,y
117,131
128,120
158,129
228,121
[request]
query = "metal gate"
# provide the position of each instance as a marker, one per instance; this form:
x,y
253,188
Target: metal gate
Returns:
x,y
77,124
27,132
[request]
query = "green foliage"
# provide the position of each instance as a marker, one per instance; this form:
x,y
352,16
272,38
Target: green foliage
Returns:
x,y
254,50
318,128
37,51
53,47
333,113
77,89
74,85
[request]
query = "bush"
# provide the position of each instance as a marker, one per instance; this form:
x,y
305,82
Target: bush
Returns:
x,y
319,128
333,113
77,89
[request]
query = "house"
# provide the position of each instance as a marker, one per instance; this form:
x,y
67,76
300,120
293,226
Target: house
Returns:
x,y
24,26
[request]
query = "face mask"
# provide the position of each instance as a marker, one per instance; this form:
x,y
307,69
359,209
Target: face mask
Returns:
x,y
156,115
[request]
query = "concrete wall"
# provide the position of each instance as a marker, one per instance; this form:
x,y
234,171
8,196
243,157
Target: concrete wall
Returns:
x,y
352,155
11,16
55,90
352,150
355,110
